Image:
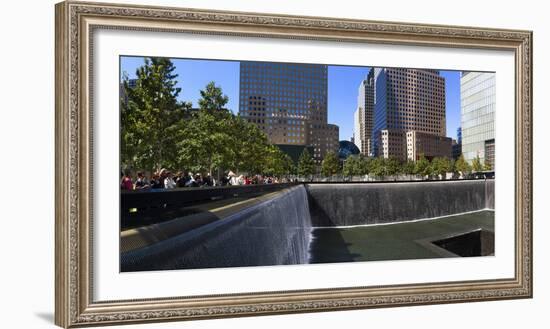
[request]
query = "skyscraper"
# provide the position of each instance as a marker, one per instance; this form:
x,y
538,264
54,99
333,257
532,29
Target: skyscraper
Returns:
x,y
288,102
477,108
409,100
364,114
457,145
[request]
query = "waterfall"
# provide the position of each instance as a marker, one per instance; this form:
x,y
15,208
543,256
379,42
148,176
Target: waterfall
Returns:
x,y
376,203
277,230
273,232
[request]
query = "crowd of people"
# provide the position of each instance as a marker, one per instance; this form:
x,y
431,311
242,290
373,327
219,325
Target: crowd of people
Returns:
x,y
165,179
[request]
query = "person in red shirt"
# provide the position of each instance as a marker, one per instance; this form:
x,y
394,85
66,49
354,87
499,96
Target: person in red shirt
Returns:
x,y
126,182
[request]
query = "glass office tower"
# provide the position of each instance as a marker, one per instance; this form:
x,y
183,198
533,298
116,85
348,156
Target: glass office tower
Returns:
x,y
477,100
289,103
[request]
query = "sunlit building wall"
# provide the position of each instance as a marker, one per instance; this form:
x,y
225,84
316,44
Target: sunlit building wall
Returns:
x,y
288,102
477,107
407,100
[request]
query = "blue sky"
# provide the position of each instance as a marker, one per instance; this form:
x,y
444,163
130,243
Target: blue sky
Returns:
x,y
343,83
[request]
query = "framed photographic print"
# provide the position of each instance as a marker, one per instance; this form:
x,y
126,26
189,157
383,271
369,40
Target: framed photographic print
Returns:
x,y
213,164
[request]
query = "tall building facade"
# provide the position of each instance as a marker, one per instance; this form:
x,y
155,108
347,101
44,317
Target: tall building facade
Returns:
x,y
457,144
363,119
357,128
288,102
391,143
427,145
408,100
477,107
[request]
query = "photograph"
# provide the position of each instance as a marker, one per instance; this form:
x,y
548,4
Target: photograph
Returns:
x,y
227,163
214,163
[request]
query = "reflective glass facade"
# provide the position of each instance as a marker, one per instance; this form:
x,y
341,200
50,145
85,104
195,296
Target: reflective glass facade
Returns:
x,y
477,100
289,103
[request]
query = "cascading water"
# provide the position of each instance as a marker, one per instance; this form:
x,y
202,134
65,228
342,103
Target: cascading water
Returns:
x,y
278,231
274,232
375,203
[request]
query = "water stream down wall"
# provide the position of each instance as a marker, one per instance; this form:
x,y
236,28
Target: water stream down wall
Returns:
x,y
277,231
274,232
376,203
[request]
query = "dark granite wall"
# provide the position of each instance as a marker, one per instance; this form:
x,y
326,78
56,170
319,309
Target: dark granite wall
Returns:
x,y
274,232
356,204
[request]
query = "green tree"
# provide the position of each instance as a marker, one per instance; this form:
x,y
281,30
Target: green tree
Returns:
x,y
476,164
441,166
352,166
252,148
212,137
423,167
206,143
306,165
362,166
487,165
151,116
377,167
408,168
278,163
213,99
462,166
392,166
330,165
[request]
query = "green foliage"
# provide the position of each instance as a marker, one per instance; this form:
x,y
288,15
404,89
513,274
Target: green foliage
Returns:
x,y
355,165
476,164
330,165
423,167
207,142
350,163
215,138
462,166
441,166
487,165
151,116
278,163
352,166
377,167
306,165
392,166
408,168
212,98
158,131
363,166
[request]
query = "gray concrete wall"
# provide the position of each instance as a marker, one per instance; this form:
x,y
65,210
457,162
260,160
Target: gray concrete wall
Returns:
x,y
274,232
374,203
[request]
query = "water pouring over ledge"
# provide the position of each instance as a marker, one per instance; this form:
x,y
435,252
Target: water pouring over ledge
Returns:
x,y
281,229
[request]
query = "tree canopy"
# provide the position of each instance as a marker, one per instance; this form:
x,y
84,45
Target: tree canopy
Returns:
x,y
151,116
476,164
306,165
462,166
159,131
330,165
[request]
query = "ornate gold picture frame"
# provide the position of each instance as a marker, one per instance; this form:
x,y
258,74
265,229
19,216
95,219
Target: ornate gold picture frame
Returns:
x,y
76,22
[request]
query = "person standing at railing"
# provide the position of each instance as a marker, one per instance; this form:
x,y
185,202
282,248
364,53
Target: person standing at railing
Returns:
x,y
126,181
168,179
141,182
156,182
